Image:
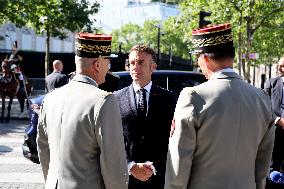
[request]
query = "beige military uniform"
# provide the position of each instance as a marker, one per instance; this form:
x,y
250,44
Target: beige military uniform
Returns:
x,y
80,138
222,137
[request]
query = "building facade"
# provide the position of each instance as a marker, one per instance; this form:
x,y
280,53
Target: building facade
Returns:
x,y
28,40
115,13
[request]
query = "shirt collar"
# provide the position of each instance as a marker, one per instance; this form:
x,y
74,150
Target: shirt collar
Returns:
x,y
78,76
147,87
226,70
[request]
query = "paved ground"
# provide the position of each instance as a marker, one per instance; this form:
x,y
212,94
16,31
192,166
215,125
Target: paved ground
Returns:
x,y
16,172
15,109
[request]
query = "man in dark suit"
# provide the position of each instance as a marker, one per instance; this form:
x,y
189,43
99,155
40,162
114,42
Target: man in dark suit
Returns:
x,y
274,87
146,112
56,79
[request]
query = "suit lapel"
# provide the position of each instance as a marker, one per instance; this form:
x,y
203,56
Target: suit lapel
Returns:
x,y
152,97
280,89
130,96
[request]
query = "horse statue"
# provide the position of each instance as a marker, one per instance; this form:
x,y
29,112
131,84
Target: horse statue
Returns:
x,y
10,87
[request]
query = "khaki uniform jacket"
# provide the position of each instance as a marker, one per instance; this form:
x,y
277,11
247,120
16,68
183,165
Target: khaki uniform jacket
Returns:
x,y
223,136
80,138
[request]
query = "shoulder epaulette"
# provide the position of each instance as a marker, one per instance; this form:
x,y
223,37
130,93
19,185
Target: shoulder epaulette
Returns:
x,y
114,75
105,94
189,90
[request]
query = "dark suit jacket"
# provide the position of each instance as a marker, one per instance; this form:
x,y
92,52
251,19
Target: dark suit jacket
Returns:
x,y
55,80
147,140
274,87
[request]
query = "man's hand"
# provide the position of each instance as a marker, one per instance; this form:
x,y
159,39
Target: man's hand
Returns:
x,y
281,122
141,171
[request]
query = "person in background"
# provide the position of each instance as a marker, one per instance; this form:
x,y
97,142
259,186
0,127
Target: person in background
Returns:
x,y
274,87
146,112
80,138
127,65
223,129
16,60
56,78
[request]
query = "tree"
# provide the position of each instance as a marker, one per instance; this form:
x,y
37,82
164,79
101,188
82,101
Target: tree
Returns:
x,y
52,17
173,39
3,12
126,37
247,17
170,37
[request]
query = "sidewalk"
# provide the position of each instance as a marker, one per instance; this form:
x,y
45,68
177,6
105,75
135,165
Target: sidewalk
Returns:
x,y
16,172
15,110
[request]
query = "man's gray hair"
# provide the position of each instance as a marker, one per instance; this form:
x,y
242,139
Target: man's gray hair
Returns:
x,y
83,63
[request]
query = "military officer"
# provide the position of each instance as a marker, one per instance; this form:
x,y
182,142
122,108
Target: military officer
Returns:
x,y
80,138
223,133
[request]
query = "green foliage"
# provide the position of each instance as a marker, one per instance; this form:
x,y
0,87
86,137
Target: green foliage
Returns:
x,y
128,36
170,35
257,27
50,17
256,24
54,15
3,11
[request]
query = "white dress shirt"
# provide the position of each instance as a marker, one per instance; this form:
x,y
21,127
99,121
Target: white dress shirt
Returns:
x,y
147,88
136,90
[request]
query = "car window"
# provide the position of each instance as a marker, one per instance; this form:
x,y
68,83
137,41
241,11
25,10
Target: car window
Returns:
x,y
174,82
160,80
124,81
177,82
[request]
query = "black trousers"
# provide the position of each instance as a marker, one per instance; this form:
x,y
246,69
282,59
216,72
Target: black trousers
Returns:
x,y
278,150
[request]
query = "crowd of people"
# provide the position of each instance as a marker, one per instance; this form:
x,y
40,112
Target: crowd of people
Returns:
x,y
219,134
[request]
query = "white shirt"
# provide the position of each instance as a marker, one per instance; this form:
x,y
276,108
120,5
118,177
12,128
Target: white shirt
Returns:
x,y
226,70
147,88
136,89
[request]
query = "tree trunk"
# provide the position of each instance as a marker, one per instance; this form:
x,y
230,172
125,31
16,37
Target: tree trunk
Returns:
x,y
244,68
248,63
47,52
249,41
240,47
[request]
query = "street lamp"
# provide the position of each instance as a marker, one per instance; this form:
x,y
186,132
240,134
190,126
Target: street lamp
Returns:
x,y
120,40
158,44
171,55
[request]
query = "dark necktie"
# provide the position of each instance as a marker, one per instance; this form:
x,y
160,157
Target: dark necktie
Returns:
x,y
142,103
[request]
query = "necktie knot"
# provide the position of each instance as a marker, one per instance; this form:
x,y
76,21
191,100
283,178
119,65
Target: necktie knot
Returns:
x,y
142,91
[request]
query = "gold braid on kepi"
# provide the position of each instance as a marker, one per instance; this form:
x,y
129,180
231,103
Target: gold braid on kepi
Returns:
x,y
92,45
210,39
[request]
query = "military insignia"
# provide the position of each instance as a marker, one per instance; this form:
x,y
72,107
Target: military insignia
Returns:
x,y
189,90
211,39
173,127
105,94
